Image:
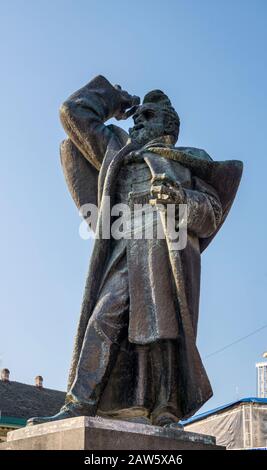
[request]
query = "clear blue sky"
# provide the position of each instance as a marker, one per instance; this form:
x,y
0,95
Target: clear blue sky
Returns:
x,y
210,57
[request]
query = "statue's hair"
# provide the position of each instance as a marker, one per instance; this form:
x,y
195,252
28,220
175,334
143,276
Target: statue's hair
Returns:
x,y
159,98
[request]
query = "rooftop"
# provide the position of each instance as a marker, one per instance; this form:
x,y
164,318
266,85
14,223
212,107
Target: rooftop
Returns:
x,y
23,401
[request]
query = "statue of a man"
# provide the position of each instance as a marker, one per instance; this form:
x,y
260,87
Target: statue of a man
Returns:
x,y
135,355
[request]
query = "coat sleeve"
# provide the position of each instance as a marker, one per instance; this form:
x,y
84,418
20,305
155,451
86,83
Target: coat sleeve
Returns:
x,y
204,209
83,115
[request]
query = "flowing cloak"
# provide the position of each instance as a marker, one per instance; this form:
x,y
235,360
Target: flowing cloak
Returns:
x,y
91,159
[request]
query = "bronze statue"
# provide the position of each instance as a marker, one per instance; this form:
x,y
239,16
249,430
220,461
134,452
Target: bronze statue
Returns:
x,y
135,354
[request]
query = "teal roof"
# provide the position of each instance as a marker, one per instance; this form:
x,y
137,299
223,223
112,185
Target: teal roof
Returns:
x,y
9,420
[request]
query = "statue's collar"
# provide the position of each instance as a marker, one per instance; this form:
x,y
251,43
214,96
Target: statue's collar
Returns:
x,y
163,141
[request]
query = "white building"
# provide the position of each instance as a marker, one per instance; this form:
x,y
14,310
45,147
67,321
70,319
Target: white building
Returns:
x,y
261,379
237,425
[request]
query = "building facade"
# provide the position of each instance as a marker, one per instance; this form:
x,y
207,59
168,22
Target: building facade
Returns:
x,y
261,379
237,425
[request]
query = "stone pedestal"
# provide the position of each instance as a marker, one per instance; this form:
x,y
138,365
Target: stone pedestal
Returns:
x,y
86,433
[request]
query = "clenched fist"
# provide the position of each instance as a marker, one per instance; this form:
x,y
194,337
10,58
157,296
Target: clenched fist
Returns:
x,y
165,191
129,104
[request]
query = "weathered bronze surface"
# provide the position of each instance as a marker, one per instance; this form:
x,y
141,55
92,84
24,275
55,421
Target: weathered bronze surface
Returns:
x,y
135,354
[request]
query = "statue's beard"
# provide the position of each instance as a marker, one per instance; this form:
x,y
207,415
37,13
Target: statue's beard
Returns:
x,y
145,134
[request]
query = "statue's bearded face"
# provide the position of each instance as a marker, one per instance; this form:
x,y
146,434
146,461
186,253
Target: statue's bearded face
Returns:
x,y
149,123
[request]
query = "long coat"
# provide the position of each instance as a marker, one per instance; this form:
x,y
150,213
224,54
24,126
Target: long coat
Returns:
x,y
91,160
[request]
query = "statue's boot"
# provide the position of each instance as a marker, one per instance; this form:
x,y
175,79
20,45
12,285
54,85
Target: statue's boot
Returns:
x,y
167,420
138,420
70,410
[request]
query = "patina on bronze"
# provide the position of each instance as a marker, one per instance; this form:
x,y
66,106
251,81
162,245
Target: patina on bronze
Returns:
x,y
135,355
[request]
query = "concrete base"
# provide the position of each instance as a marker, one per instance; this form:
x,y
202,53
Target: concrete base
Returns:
x,y
86,433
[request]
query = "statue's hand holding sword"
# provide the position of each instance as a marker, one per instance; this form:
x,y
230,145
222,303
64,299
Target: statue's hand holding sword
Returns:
x,y
166,191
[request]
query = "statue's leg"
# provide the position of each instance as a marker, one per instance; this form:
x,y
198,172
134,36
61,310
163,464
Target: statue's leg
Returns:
x,y
106,328
164,360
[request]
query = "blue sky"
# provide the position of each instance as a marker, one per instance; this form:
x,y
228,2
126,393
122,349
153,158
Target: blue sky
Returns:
x,y
210,58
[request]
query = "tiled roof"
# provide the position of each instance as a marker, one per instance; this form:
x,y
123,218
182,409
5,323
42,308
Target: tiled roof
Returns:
x,y
25,401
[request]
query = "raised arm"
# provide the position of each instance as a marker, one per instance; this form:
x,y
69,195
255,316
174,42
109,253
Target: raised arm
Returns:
x,y
83,115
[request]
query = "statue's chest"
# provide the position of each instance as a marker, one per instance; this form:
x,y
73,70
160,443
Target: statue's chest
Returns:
x,y
163,167
133,181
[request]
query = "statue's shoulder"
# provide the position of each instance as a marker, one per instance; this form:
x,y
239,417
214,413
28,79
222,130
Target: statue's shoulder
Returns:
x,y
195,152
